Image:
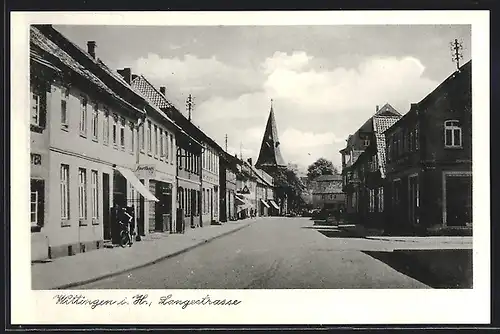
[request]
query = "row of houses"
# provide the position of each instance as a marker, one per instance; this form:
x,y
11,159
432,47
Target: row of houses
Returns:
x,y
101,138
412,173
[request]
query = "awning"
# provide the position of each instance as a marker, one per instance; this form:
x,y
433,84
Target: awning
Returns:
x,y
244,207
240,199
265,204
273,203
130,176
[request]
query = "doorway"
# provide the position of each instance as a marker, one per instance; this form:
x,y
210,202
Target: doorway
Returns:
x,y
106,224
413,198
458,200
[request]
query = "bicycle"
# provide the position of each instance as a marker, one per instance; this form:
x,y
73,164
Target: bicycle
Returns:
x,y
125,237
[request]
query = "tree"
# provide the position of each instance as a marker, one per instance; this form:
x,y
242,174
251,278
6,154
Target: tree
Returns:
x,y
289,185
321,166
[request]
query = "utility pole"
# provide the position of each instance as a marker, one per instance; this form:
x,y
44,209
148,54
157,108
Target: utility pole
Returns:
x,y
189,106
226,142
456,49
241,151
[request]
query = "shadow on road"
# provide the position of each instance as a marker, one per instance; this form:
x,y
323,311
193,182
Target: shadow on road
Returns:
x,y
437,268
336,233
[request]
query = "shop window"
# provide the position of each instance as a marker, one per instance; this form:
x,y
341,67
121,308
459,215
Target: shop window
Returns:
x,y
452,134
64,193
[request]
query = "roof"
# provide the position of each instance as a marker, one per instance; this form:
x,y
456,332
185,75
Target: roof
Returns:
x,y
327,187
41,41
34,56
261,174
380,124
325,178
270,153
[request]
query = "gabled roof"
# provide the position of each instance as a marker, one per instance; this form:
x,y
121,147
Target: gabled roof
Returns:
x,y
380,124
149,91
38,39
270,153
258,172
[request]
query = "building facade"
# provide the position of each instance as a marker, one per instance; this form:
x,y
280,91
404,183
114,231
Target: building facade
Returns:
x,y
327,192
430,177
227,177
186,151
83,123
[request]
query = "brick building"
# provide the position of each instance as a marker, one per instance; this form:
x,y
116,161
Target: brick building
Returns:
x,y
429,159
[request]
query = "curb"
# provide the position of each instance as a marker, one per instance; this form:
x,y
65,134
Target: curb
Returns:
x,y
164,257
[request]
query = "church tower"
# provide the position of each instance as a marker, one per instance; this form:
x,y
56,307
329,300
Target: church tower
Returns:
x,y
270,155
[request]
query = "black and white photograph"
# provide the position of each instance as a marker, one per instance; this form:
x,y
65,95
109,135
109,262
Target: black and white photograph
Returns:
x,y
229,157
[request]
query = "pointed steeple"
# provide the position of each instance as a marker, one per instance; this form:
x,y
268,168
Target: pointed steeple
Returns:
x,y
270,154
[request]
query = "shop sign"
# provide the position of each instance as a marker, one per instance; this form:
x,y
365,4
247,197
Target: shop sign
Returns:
x,y
145,171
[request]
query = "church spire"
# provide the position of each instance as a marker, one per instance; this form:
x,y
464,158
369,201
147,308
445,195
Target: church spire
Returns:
x,y
270,154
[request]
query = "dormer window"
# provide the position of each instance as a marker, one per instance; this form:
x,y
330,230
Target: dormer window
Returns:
x,y
366,142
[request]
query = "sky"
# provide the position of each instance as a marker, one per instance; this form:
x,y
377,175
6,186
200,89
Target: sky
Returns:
x,y
325,81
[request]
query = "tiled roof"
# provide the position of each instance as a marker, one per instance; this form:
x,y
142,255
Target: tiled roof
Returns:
x,y
34,56
45,44
380,124
141,84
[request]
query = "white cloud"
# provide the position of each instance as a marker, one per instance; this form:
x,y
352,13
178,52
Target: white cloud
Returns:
x,y
316,109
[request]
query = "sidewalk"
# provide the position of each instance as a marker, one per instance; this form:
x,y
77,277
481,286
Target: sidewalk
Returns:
x,y
71,271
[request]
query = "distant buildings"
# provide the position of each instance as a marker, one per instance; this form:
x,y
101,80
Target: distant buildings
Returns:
x,y
327,192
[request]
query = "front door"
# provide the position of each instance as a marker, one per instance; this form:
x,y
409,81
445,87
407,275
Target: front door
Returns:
x,y
458,200
106,225
413,199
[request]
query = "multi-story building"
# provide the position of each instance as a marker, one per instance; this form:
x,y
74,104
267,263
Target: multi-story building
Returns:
x,y
327,192
227,177
363,167
186,152
246,185
83,124
430,176
264,192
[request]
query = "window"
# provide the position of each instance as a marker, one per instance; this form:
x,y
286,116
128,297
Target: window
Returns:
x,y
105,130
411,141
162,146
64,107
82,194
94,183
114,131
366,142
381,199
36,100
83,116
122,133
34,208
156,141
452,134
64,191
149,137
95,120
417,139
132,137
142,141
172,153
167,144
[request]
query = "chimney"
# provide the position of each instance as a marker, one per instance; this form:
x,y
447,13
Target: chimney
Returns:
x,y
163,90
91,48
250,161
376,108
126,73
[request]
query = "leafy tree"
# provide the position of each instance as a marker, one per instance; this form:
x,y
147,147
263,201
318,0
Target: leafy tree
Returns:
x,y
289,185
321,166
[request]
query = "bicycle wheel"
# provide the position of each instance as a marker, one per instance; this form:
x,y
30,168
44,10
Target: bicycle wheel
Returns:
x,y
124,239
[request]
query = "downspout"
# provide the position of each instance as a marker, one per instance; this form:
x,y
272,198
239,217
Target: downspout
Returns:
x,y
140,122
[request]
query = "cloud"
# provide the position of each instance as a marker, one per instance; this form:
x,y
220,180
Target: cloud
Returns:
x,y
316,107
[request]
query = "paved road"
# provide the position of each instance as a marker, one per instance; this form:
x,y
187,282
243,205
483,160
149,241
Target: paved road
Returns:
x,y
274,253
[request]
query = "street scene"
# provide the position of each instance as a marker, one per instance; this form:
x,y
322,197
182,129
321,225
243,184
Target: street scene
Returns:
x,y
232,157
